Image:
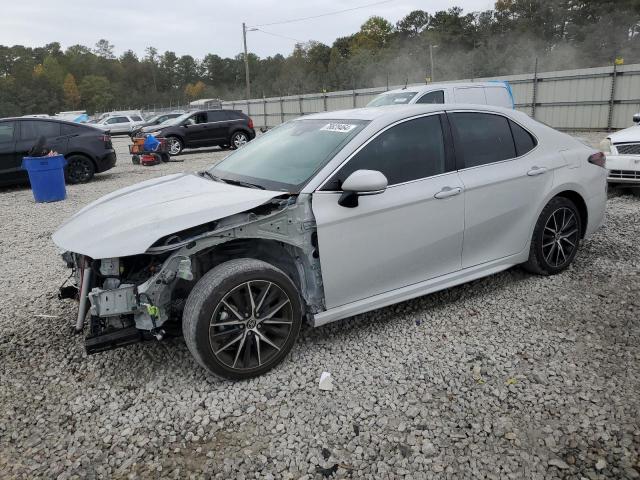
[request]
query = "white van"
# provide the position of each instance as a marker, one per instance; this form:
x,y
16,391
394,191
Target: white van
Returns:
x,y
480,93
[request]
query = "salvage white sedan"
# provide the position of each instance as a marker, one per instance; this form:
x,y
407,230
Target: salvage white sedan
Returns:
x,y
622,149
325,217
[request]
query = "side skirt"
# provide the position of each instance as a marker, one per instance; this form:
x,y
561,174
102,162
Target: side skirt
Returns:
x,y
416,290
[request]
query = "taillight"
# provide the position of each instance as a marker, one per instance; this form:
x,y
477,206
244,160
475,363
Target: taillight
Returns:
x,y
250,123
598,159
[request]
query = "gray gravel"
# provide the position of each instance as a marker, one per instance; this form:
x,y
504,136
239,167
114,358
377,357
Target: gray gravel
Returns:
x,y
512,376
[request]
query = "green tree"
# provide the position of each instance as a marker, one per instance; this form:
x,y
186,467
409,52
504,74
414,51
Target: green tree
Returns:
x,y
96,93
71,92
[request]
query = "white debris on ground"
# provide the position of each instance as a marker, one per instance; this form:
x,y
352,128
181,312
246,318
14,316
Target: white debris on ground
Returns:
x,y
512,376
326,381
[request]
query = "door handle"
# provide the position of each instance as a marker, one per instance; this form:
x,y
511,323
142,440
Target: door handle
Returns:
x,y
536,171
447,192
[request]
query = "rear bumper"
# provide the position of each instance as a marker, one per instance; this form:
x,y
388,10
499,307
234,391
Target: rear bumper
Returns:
x,y
252,134
623,169
106,161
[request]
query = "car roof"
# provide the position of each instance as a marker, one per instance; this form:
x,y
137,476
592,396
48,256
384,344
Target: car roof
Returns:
x,y
40,119
398,112
436,86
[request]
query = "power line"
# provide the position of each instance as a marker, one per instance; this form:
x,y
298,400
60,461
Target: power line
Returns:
x,y
278,35
292,20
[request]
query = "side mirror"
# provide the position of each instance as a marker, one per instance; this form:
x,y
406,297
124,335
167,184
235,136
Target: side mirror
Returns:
x,y
361,182
636,119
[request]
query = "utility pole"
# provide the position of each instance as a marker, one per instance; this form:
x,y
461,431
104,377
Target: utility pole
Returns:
x,y
246,60
431,47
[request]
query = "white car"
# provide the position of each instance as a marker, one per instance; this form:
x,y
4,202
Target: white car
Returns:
x,y
120,123
496,93
325,217
622,149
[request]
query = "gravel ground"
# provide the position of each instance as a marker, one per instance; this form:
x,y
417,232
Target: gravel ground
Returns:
x,y
512,376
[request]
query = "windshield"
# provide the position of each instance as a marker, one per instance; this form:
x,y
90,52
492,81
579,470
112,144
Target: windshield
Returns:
x,y
400,98
286,157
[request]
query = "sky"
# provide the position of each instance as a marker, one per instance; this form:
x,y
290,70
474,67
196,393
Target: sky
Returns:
x,y
198,27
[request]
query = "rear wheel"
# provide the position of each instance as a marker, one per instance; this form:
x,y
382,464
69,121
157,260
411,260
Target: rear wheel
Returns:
x,y
175,145
242,318
239,139
556,238
79,169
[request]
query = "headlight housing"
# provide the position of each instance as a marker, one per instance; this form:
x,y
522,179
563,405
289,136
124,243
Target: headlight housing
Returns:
x,y
605,145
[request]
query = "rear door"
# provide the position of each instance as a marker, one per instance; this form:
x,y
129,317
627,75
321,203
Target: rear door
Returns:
x,y
118,124
10,164
32,130
217,126
505,180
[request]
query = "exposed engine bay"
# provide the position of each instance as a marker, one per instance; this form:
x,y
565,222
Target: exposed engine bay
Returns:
x,y
133,298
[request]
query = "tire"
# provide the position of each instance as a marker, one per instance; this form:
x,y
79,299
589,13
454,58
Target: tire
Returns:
x,y
235,346
165,157
239,139
79,169
135,159
175,145
556,238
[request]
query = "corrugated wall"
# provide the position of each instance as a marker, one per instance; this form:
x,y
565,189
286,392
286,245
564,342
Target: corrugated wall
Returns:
x,y
586,99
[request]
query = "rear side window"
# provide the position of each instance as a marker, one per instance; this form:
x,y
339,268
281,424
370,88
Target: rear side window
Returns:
x,y
482,138
218,116
136,118
117,120
234,115
432,97
524,140
70,129
6,131
409,151
30,130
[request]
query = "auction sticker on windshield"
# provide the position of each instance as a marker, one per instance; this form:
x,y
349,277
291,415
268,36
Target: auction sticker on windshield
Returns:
x,y
338,127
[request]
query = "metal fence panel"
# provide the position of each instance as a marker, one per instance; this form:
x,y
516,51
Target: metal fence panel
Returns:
x,y
568,99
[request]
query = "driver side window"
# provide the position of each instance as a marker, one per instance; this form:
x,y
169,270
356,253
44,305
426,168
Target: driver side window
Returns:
x,y
408,151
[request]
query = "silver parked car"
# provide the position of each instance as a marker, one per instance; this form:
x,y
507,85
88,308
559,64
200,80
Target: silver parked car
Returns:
x,y
120,123
325,217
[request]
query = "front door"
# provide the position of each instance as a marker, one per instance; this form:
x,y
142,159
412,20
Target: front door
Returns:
x,y
505,181
410,233
196,129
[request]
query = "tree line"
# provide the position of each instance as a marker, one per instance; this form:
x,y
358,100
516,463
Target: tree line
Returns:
x,y
560,34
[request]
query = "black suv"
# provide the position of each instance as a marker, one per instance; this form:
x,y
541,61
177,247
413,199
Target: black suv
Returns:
x,y
206,128
88,150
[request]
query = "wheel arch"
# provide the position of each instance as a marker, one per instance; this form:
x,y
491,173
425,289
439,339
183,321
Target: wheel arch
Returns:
x,y
82,154
280,255
239,129
580,204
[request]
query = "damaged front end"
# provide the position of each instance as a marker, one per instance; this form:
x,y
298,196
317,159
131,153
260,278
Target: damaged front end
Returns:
x,y
133,298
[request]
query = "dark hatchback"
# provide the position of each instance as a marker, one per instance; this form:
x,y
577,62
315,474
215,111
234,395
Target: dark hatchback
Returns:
x,y
87,149
205,128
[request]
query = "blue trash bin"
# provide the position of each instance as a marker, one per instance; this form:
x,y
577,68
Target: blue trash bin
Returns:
x,y
46,175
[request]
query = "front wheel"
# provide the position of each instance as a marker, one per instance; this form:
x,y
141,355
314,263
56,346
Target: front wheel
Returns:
x,y
556,238
175,145
242,318
239,139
